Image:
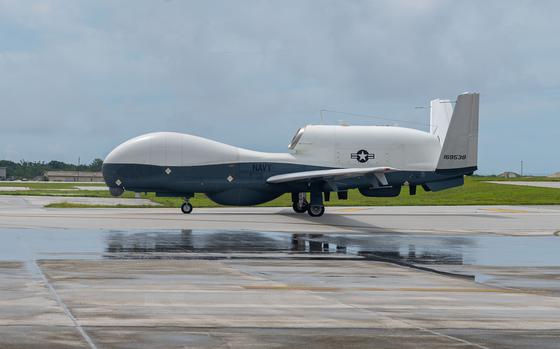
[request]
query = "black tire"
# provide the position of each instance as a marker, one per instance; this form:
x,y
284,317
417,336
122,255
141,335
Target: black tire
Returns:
x,y
316,210
300,209
186,208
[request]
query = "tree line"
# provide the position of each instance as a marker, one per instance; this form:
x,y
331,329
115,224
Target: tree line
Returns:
x,y
33,169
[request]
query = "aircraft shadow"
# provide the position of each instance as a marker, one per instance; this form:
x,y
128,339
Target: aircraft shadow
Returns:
x,y
338,220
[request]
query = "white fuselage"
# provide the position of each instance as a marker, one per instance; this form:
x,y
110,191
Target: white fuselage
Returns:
x,y
320,145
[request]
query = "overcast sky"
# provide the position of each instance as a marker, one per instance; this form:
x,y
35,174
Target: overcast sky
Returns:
x,y
79,77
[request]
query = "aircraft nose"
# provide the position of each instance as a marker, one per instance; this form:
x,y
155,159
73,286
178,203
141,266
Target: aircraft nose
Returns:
x,y
121,168
112,180
117,165
113,172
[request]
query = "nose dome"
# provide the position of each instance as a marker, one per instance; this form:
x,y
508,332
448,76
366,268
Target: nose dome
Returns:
x,y
133,151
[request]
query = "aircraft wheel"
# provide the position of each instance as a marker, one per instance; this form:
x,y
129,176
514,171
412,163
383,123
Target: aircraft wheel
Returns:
x,y
316,210
186,208
300,207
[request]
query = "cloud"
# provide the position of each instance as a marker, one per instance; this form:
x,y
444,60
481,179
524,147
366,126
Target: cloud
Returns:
x,y
80,77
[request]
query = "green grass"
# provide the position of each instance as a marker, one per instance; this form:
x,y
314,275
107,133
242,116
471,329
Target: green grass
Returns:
x,y
475,192
76,205
50,185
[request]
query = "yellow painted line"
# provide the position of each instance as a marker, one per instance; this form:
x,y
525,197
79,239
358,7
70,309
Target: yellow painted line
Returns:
x,y
352,209
291,288
375,289
504,210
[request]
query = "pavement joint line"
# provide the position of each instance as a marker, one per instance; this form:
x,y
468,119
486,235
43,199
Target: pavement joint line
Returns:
x,y
378,289
66,310
436,333
456,339
410,325
376,258
451,337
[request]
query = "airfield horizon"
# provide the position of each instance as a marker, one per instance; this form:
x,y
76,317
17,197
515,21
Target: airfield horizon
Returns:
x,y
477,191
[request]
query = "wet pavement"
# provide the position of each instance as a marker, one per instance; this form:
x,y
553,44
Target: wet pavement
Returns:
x,y
98,288
470,256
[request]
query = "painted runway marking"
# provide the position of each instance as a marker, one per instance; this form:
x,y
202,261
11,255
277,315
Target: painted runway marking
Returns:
x,y
504,210
352,209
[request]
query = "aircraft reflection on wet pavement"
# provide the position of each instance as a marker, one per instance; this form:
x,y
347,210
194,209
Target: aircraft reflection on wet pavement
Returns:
x,y
458,256
424,251
445,254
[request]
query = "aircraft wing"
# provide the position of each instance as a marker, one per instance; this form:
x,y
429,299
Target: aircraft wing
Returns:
x,y
334,174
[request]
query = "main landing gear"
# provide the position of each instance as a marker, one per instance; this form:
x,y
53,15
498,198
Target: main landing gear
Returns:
x,y
300,204
186,207
316,210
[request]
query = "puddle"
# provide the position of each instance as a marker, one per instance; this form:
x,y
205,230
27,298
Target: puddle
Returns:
x,y
528,251
506,251
480,256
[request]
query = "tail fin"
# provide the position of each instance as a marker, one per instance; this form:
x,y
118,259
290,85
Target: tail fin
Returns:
x,y
457,130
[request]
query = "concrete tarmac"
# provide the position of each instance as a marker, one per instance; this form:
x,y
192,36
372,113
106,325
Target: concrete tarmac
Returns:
x,y
381,277
28,212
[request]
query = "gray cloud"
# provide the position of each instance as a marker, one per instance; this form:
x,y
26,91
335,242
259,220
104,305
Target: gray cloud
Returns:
x,y
80,77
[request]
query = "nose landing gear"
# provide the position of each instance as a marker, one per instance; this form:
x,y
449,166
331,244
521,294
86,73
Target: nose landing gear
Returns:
x,y
186,207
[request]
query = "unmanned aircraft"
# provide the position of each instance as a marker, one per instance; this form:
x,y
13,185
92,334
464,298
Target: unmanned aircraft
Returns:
x,y
322,159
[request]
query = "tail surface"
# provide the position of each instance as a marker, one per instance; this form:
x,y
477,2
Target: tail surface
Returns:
x,y
457,130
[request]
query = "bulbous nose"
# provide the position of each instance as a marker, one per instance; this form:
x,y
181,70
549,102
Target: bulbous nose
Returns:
x,y
120,166
111,176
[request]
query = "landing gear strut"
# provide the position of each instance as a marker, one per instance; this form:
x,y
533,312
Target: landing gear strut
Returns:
x,y
299,202
186,207
316,208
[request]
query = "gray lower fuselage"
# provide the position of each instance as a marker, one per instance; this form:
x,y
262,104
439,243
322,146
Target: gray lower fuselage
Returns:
x,y
246,183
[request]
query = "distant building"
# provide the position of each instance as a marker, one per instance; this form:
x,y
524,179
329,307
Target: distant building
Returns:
x,y
555,175
3,174
509,175
73,176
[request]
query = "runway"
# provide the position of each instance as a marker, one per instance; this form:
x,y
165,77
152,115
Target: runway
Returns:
x,y
383,277
28,212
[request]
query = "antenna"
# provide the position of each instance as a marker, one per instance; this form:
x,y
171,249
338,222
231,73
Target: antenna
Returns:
x,y
322,118
322,111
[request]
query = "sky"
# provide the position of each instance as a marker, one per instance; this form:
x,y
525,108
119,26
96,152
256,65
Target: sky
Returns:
x,y
77,78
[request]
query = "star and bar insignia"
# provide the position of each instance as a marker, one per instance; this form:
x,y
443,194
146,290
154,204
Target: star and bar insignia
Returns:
x,y
362,155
